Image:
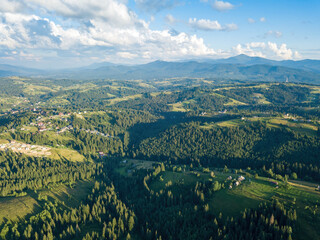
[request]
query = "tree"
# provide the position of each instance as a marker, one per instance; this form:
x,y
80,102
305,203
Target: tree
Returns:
x,y
131,223
294,176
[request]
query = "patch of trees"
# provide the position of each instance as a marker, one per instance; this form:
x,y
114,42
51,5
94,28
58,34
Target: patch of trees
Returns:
x,y
19,173
182,211
252,145
102,216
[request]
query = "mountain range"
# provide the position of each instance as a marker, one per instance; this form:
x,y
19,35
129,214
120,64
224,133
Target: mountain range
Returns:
x,y
240,67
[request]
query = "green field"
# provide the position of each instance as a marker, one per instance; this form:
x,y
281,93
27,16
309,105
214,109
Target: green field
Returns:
x,y
15,208
116,100
67,154
129,165
249,194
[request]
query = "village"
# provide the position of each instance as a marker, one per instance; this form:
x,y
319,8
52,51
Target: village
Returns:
x,y
28,149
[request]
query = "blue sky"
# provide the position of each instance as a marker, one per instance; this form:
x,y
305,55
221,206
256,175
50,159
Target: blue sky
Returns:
x,y
72,33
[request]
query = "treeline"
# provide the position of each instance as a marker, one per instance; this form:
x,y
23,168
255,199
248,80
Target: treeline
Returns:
x,y
102,216
90,144
253,145
19,173
182,211
272,221
278,94
13,121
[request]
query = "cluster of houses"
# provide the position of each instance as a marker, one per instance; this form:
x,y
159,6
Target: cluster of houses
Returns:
x,y
70,127
235,182
28,149
223,112
288,116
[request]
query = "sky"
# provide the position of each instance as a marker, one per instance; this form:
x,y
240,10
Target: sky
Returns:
x,y
74,33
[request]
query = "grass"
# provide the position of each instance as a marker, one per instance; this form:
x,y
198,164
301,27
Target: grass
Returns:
x,y
30,129
50,135
70,197
188,178
82,87
116,100
315,90
273,122
128,165
234,102
249,195
231,202
68,154
178,107
261,98
16,208
3,141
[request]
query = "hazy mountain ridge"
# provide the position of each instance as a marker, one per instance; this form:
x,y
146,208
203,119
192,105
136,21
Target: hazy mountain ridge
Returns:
x,y
240,67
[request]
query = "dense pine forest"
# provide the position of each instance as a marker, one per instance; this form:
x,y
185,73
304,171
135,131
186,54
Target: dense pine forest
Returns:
x,y
180,158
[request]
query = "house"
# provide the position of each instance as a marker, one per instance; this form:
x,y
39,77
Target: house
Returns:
x,y
274,182
101,154
241,178
42,128
230,187
237,183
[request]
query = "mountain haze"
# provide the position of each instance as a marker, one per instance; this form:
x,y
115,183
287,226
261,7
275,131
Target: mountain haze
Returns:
x,y
240,67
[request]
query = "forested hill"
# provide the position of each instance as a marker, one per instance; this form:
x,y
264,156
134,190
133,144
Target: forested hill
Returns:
x,y
180,158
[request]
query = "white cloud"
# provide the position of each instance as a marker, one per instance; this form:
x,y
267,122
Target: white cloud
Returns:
x,y
114,29
11,6
263,19
111,11
281,51
127,55
267,50
210,25
205,24
94,30
271,33
251,20
170,19
222,6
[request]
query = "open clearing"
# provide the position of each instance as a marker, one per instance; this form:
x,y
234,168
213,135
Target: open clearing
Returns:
x,y
15,208
249,194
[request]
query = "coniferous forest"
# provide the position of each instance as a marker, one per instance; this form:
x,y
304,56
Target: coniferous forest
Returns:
x,y
141,159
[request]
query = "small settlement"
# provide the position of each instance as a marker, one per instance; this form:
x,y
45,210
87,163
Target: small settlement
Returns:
x,y
235,182
32,150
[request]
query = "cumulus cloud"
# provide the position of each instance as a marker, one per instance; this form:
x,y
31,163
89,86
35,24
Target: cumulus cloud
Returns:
x,y
222,6
263,19
11,6
210,25
267,50
86,26
95,30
